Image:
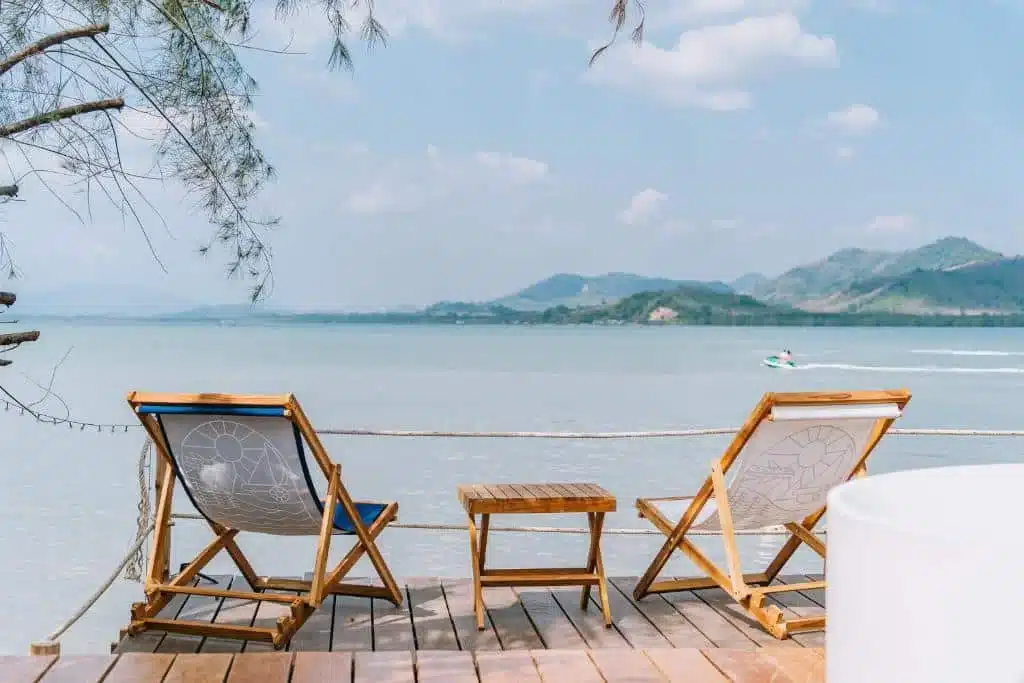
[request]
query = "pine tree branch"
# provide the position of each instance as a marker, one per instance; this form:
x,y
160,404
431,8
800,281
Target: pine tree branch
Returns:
x,y
58,115
48,42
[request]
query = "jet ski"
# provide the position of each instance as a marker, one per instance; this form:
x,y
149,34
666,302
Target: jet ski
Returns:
x,y
780,360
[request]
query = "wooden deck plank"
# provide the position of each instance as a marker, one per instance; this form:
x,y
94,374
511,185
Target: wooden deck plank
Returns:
x,y
384,667
234,611
817,596
590,622
630,666
797,604
137,667
803,666
266,616
315,634
77,669
459,594
686,665
746,666
552,625
322,667
633,624
434,666
512,666
672,626
15,669
566,665
199,668
261,667
715,627
512,625
353,622
432,624
149,641
738,617
196,608
392,626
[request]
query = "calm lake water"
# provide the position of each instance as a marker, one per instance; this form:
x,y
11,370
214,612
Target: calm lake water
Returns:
x,y
68,497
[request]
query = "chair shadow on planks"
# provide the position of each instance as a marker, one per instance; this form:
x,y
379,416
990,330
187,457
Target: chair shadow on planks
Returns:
x,y
242,462
792,450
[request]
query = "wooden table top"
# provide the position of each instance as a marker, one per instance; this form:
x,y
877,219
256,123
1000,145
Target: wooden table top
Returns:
x,y
535,498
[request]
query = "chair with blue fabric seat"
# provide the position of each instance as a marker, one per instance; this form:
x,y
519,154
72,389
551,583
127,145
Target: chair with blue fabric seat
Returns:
x,y
242,461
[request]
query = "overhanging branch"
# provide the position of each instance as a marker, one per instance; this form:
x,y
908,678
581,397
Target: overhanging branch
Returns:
x,y
18,338
58,115
49,41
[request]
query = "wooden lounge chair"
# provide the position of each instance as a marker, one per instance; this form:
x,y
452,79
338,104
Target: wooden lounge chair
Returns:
x,y
242,462
781,465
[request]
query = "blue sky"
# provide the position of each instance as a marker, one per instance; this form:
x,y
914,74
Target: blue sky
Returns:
x,y
476,153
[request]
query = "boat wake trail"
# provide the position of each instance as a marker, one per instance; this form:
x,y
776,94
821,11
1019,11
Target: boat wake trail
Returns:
x,y
918,368
966,352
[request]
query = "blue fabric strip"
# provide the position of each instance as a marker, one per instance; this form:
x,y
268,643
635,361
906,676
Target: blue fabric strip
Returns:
x,y
368,513
212,409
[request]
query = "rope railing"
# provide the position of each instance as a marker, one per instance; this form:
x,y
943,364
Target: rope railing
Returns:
x,y
776,530
131,564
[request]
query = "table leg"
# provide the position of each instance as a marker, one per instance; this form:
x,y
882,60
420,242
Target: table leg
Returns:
x,y
595,564
485,525
475,558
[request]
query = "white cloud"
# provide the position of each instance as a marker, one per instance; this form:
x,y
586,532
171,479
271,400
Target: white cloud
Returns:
x,y
857,119
642,206
709,66
843,153
890,224
701,11
451,20
517,169
412,183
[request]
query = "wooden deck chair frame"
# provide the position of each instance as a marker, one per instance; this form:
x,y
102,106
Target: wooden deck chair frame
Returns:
x,y
750,590
305,596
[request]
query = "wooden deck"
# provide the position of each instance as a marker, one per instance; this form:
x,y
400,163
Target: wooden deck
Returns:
x,y
775,665
437,614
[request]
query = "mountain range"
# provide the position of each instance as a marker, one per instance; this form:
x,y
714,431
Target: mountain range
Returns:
x,y
952,276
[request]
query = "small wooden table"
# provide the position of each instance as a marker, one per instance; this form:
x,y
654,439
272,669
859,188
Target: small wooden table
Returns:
x,y
488,499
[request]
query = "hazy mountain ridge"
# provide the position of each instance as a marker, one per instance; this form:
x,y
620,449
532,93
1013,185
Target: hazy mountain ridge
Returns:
x,y
808,285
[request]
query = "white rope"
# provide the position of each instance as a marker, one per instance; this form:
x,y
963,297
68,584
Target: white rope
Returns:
x,y
133,572
80,612
777,530
657,434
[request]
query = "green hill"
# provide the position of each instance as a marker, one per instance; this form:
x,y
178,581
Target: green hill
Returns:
x,y
995,287
817,285
572,290
689,303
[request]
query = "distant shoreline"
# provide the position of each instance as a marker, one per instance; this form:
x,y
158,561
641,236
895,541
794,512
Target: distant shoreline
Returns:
x,y
801,320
